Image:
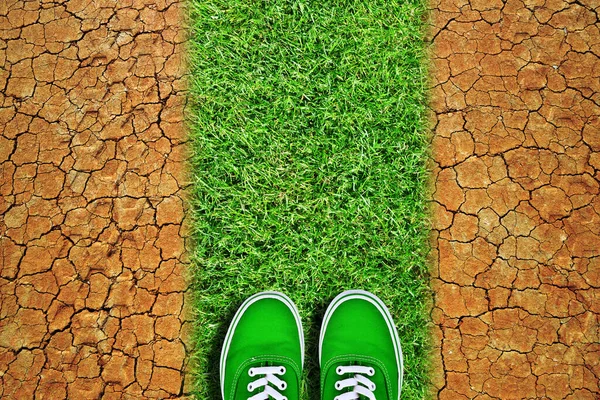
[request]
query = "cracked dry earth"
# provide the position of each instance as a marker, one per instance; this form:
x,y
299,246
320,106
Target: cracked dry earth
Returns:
x,y
92,284
516,151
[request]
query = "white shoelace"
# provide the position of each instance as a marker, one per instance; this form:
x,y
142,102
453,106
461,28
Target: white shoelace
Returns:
x,y
269,377
361,385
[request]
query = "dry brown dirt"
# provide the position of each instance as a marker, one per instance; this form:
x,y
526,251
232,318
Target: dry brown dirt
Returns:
x,y
92,283
516,147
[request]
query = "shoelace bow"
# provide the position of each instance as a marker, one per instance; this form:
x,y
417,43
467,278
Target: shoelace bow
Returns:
x,y
269,376
361,385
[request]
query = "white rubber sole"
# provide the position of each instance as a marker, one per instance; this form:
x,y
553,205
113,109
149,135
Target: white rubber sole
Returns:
x,y
236,318
376,301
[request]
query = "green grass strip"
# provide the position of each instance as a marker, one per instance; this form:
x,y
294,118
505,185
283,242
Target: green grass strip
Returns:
x,y
309,153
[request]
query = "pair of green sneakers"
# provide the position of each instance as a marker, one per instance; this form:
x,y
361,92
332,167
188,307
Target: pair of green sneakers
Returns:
x,y
359,350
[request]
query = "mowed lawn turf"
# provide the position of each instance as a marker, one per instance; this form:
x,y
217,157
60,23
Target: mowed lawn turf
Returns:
x,y
309,154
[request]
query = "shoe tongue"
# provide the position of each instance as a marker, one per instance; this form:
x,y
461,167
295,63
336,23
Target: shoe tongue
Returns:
x,y
378,378
290,377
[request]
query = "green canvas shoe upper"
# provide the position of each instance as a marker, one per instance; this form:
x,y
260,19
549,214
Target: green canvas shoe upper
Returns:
x,y
263,352
359,349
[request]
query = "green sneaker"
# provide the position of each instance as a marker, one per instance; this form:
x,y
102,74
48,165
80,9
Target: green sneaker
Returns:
x,y
263,353
359,349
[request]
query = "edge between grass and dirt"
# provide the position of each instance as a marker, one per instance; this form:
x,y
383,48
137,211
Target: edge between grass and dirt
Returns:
x,y
309,144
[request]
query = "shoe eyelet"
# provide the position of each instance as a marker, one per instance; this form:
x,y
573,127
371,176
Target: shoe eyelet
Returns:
x,y
282,370
250,387
251,372
283,386
339,370
371,372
